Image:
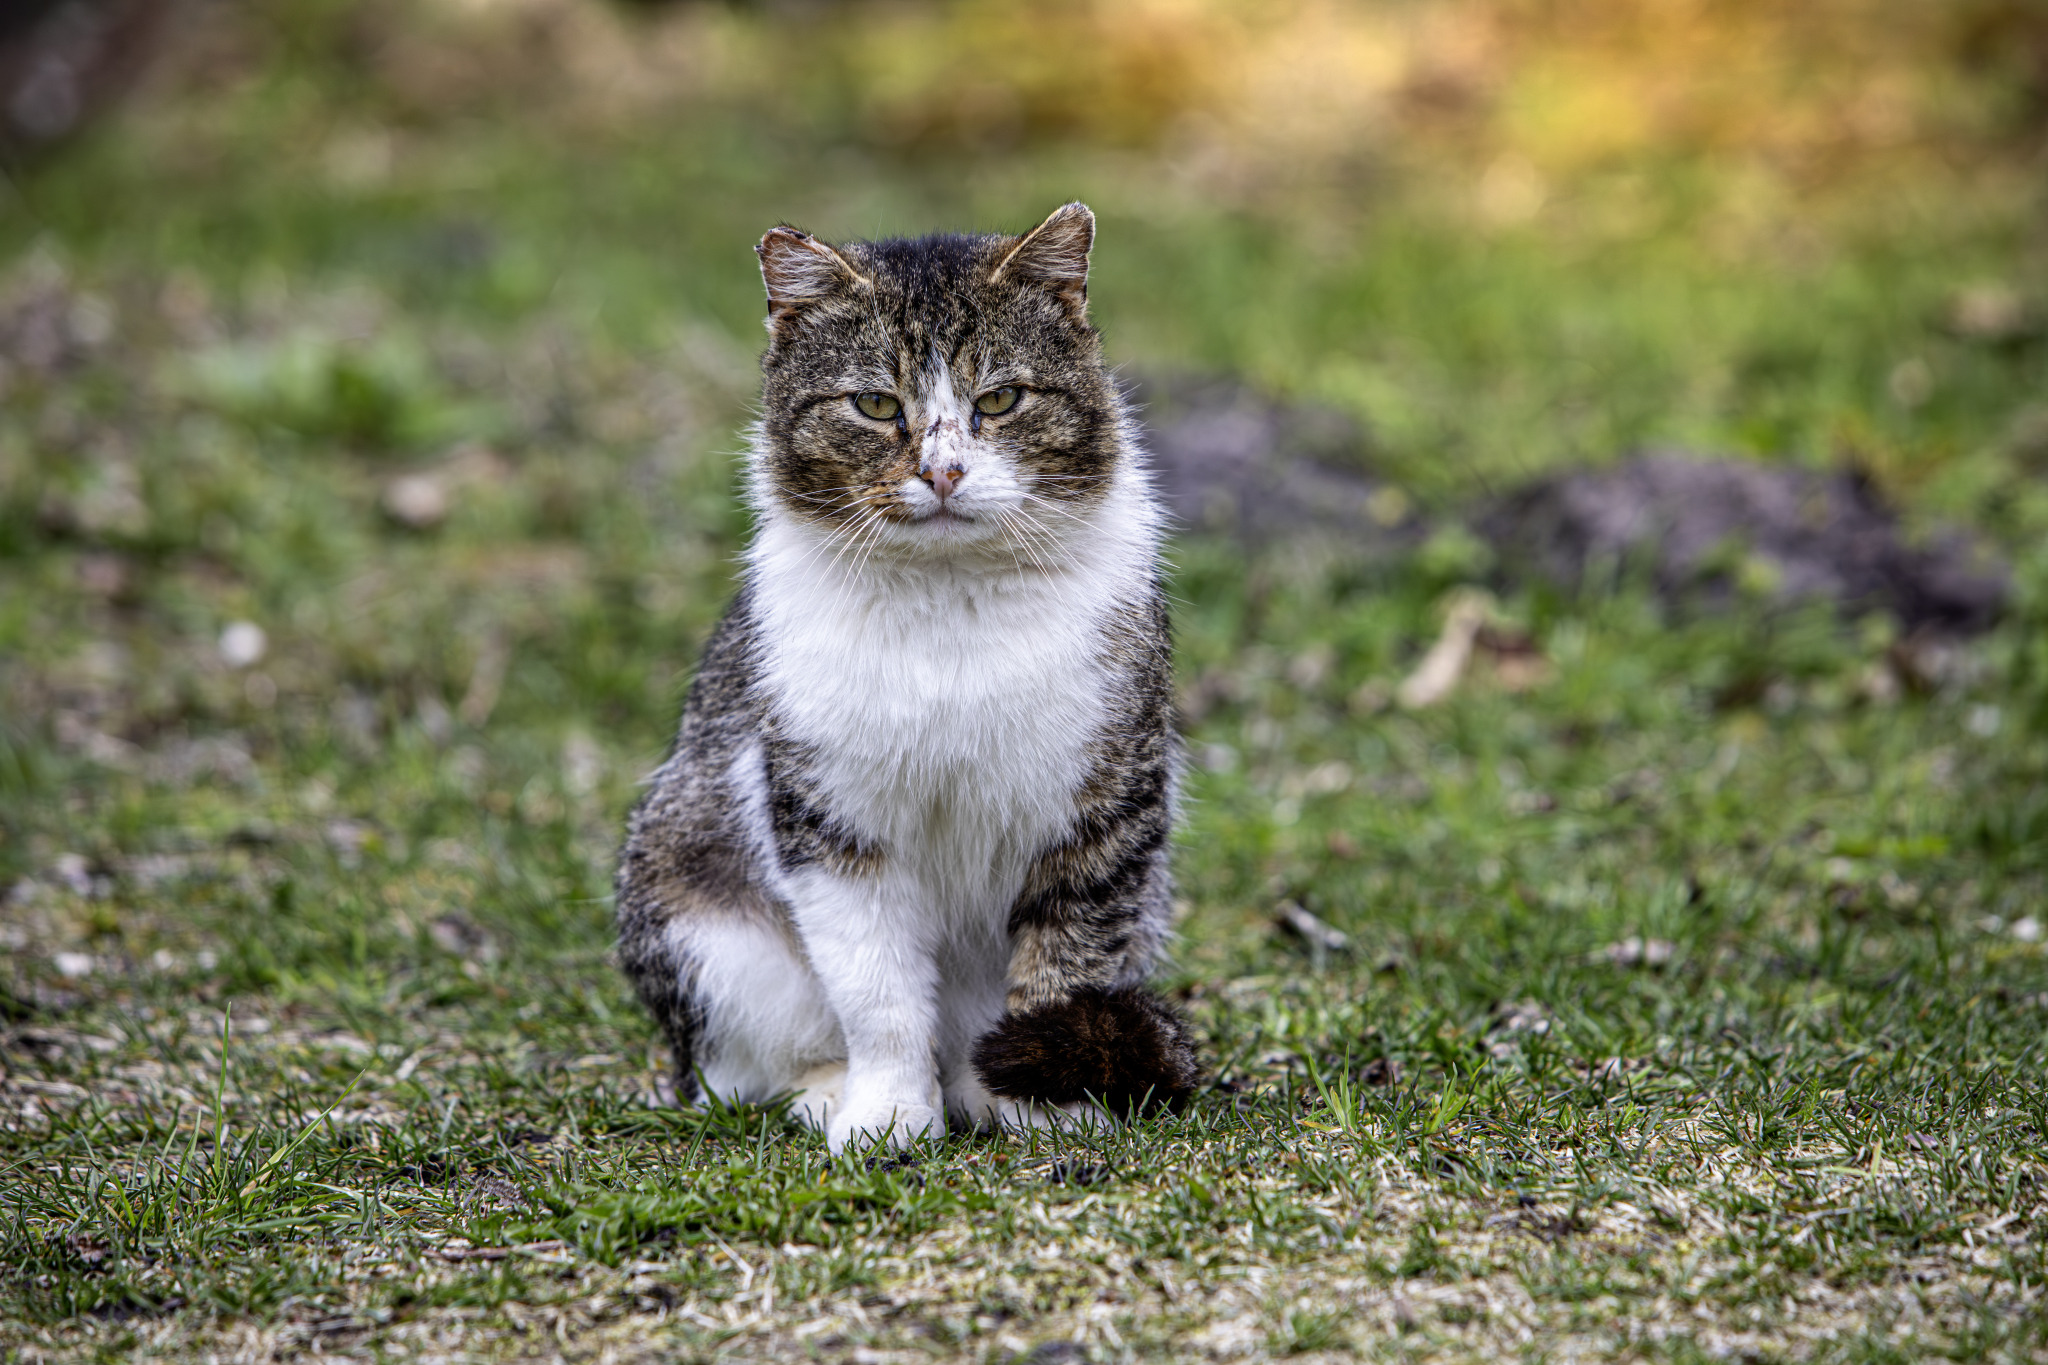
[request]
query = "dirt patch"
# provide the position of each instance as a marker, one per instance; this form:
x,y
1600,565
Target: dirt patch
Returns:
x,y
1232,461
1702,531
1705,530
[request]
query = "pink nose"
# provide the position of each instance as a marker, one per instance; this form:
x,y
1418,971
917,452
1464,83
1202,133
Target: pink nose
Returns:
x,y
943,480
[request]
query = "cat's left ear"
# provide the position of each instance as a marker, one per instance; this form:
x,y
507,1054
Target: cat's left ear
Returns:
x,y
1055,254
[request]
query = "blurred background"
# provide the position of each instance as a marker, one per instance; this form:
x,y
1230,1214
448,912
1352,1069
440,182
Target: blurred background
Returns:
x,y
372,371
1610,441
1499,234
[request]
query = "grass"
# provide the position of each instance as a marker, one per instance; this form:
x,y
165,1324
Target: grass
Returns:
x,y
1693,1003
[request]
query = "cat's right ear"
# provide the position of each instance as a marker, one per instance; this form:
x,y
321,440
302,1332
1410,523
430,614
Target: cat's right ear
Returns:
x,y
798,270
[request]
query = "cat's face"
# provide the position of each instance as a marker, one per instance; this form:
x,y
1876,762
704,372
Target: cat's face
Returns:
x,y
936,395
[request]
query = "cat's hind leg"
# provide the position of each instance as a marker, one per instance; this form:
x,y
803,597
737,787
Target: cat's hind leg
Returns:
x,y
767,1026
746,1018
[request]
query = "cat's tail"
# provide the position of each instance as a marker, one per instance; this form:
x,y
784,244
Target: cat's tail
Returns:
x,y
1125,1048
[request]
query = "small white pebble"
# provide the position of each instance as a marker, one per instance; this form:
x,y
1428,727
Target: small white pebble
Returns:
x,y
92,322
1635,951
417,502
1983,721
582,764
73,873
242,644
74,964
2027,930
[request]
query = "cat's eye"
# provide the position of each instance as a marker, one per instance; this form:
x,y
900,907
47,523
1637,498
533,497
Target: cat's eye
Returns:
x,y
883,407
998,401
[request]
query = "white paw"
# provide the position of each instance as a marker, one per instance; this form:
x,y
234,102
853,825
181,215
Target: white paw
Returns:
x,y
1022,1114
894,1124
970,1103
817,1095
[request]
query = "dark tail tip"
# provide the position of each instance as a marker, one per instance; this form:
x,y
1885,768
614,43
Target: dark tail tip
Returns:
x,y
1125,1048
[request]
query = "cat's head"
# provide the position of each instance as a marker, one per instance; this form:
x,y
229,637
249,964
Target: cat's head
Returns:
x,y
936,395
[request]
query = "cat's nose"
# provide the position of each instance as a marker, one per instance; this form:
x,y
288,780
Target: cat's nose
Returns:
x,y
943,478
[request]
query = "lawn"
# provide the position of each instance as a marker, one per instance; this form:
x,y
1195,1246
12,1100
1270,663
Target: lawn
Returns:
x,y
367,484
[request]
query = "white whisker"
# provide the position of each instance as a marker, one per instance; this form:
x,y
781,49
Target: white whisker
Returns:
x,y
873,532
1053,506
1009,519
1038,536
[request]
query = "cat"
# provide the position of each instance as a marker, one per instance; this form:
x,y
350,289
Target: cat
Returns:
x,y
908,856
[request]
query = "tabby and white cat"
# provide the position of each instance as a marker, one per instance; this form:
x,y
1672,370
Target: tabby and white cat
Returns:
x,y
908,857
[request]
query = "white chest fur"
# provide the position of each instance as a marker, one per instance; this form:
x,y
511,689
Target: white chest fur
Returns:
x,y
949,704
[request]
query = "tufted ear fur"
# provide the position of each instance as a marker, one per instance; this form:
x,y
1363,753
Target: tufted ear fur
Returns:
x,y
798,269
1055,253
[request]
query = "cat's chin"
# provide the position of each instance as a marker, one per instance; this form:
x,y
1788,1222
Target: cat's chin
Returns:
x,y
945,533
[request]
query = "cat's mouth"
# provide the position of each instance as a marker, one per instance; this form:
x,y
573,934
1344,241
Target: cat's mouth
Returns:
x,y
945,514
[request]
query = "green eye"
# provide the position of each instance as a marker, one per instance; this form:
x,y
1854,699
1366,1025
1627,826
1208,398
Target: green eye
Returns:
x,y
883,407
997,401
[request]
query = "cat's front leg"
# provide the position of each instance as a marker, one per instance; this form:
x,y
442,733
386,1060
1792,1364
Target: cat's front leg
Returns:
x,y
1079,1024
875,961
